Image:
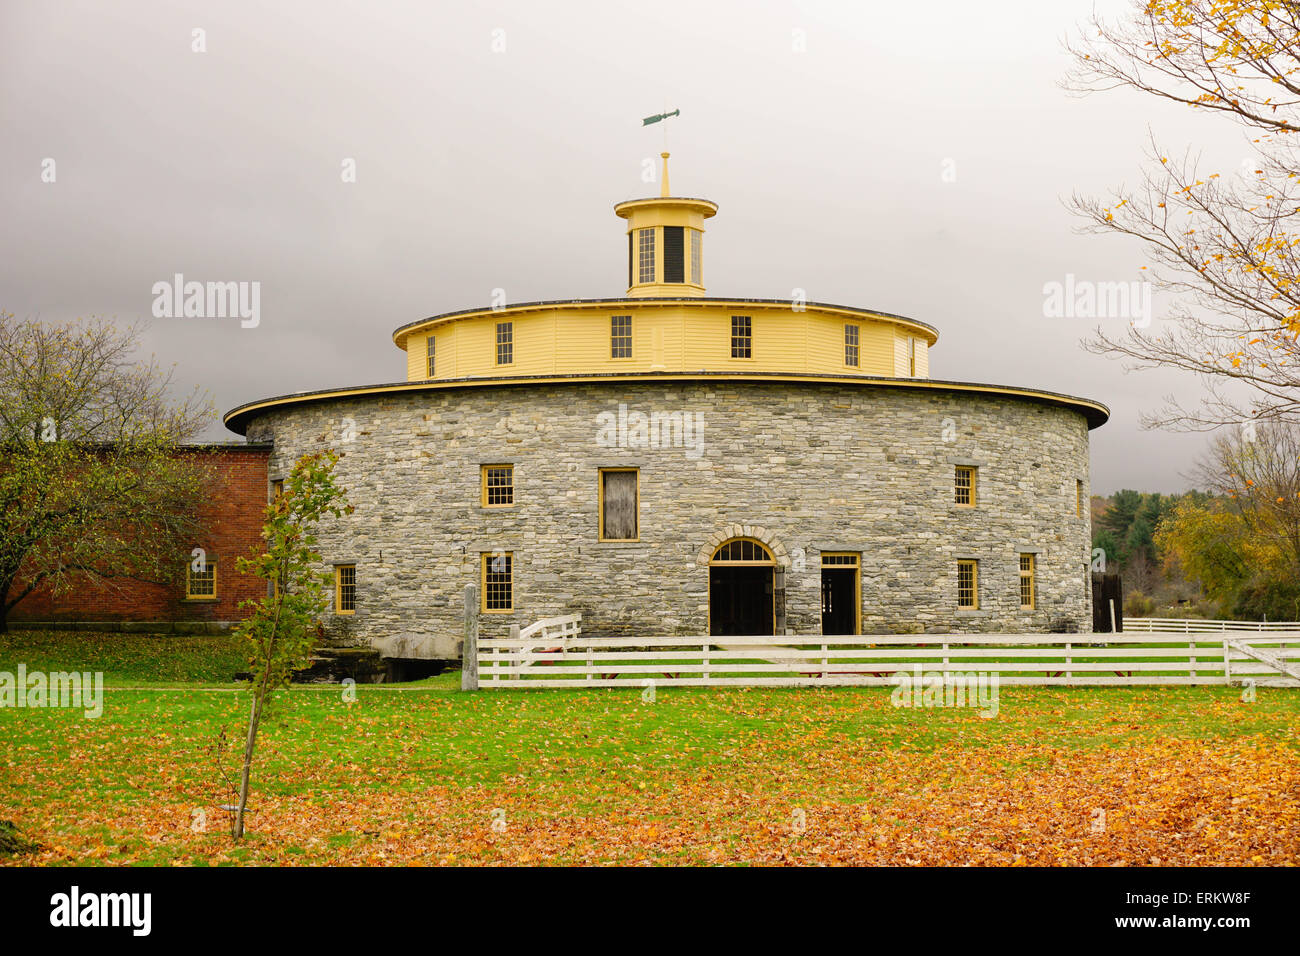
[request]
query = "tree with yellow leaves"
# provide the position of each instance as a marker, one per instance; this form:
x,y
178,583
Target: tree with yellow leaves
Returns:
x,y
1224,242
1243,545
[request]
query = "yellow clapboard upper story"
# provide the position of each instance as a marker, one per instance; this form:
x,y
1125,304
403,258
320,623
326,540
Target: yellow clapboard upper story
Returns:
x,y
666,323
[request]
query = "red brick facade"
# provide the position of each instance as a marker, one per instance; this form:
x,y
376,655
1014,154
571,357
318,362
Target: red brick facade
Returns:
x,y
233,518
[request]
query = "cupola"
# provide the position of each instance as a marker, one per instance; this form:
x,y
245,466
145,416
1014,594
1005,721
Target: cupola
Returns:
x,y
665,242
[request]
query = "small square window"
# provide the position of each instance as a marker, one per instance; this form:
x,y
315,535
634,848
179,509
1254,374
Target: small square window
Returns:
x,y
277,488
345,588
498,582
498,483
964,485
968,578
505,343
620,336
742,337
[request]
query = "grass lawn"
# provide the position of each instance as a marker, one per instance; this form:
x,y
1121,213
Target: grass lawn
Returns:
x,y
421,773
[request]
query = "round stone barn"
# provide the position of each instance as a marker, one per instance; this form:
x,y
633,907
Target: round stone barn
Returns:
x,y
674,463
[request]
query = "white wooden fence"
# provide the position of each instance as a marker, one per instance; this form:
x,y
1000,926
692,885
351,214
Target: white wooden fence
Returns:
x,y
1178,625
566,658
541,637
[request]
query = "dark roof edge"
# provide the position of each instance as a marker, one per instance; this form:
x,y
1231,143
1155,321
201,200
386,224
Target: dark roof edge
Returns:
x,y
1095,412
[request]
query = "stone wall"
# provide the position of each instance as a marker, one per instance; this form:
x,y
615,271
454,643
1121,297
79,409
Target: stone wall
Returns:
x,y
804,468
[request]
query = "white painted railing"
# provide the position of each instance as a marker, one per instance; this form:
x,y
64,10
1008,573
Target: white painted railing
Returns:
x,y
1073,660
551,628
543,634
1178,625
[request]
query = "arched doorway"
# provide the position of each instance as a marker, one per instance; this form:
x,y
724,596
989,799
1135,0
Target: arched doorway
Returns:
x,y
741,591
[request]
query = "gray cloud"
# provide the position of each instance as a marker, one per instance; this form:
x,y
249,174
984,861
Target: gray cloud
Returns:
x,y
478,170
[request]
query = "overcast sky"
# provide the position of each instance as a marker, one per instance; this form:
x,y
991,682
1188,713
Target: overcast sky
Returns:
x,y
828,164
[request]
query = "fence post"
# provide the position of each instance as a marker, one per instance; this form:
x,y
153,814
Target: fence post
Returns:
x,y
469,647
1068,674
1227,663
704,652
1191,656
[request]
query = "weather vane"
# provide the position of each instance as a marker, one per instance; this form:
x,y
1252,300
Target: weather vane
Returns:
x,y
660,117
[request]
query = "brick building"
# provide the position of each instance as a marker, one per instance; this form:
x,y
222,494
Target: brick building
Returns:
x,y
232,518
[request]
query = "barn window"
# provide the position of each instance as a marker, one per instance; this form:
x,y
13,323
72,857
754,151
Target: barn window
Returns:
x,y
498,582
645,244
505,343
964,485
911,357
430,372
619,491
697,264
201,585
674,254
620,336
277,488
1027,581
498,486
851,345
1078,498
742,337
345,588
968,581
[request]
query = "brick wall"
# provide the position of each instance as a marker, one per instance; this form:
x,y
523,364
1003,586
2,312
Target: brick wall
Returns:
x,y
233,519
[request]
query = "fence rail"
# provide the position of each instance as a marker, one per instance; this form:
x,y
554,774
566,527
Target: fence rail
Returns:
x,y
1177,625
574,660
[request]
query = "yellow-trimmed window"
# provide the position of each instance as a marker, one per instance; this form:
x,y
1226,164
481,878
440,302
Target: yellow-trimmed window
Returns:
x,y
345,588
498,486
431,353
277,488
645,249
968,584
1027,563
620,336
620,494
498,582
505,343
201,584
742,337
851,344
965,478
697,263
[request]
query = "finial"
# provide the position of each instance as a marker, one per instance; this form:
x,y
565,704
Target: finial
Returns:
x,y
663,183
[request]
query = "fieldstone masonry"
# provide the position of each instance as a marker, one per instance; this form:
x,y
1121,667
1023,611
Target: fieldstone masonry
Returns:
x,y
801,467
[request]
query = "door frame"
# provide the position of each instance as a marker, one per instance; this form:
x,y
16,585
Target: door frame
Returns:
x,y
847,561
769,561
